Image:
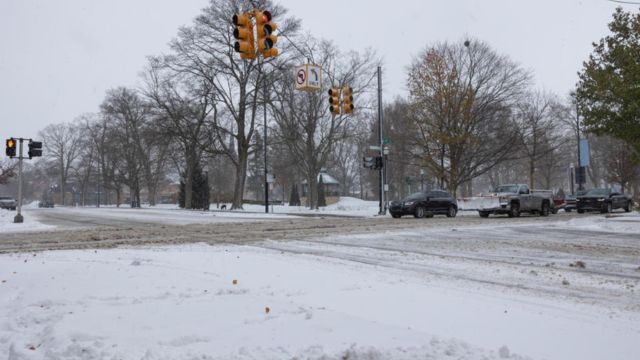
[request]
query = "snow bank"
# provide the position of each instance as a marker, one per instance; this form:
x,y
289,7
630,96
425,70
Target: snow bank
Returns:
x,y
30,223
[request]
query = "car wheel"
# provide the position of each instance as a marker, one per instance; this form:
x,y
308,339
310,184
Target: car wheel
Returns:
x,y
545,210
580,211
419,213
396,216
515,210
451,211
627,208
483,214
606,209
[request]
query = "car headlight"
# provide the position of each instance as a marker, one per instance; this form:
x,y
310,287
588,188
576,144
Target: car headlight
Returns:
x,y
601,199
503,200
577,200
409,203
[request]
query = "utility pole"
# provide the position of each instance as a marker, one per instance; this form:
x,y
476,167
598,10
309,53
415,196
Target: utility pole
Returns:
x,y
582,171
380,127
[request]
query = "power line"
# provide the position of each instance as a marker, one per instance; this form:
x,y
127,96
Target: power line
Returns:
x,y
624,2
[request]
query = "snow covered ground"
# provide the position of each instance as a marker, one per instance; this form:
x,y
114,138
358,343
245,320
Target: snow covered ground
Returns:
x,y
418,294
182,303
29,224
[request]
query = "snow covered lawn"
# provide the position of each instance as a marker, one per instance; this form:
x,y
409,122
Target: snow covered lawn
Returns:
x,y
250,302
29,224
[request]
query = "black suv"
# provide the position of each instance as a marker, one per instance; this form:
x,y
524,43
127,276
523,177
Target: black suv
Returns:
x,y
427,203
603,200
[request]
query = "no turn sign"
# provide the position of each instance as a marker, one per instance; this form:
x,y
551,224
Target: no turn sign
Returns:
x,y
308,77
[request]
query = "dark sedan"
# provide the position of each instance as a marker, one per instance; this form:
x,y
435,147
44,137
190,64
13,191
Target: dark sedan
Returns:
x,y
426,203
603,200
570,200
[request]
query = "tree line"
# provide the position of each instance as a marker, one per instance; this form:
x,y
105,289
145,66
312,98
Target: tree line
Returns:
x,y
472,119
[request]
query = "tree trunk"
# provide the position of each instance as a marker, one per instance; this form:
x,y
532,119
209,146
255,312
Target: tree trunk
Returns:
x,y
532,169
241,175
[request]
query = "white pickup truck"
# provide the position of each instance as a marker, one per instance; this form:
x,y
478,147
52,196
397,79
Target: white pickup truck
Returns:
x,y
510,199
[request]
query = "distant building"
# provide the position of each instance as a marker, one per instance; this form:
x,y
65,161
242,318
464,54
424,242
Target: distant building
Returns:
x,y
331,185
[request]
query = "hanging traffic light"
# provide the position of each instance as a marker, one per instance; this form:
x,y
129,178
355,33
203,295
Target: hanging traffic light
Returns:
x,y
35,149
244,36
264,30
11,147
334,101
347,100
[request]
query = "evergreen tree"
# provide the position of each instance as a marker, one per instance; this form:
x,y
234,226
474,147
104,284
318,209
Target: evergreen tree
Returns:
x,y
294,199
608,93
322,201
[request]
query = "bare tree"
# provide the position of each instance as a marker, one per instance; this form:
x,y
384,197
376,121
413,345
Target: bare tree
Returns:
x,y
205,51
62,148
7,170
303,121
183,109
538,133
463,97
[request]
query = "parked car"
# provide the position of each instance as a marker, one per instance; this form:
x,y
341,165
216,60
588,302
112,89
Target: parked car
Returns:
x,y
45,203
7,202
603,200
427,203
570,200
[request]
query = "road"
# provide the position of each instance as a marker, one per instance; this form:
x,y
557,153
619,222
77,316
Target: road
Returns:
x,y
559,262
529,253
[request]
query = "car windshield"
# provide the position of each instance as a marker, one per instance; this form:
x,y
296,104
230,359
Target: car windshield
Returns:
x,y
5,198
415,196
506,189
598,192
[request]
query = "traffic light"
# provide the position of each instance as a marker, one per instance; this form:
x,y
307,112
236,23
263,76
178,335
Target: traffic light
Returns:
x,y
334,101
244,36
347,100
368,162
378,162
11,147
264,29
35,149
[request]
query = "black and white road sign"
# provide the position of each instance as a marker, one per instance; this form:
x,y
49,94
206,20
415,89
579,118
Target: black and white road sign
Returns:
x,y
308,77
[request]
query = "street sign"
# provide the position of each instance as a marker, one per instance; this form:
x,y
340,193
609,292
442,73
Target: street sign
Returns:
x,y
374,147
308,77
386,141
271,178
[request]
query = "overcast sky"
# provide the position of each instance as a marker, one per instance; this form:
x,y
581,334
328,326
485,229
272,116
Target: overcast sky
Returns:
x,y
57,58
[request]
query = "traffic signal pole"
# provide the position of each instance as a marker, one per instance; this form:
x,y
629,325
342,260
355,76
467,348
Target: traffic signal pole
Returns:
x,y
266,172
18,218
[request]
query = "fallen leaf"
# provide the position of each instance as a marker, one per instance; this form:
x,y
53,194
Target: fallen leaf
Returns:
x,y
267,310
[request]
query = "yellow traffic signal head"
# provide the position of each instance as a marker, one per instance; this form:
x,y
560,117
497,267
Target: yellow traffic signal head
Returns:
x,y
347,99
244,35
11,147
334,101
264,30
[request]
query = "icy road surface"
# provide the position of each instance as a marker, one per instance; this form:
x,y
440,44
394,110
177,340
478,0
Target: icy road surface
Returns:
x,y
563,287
